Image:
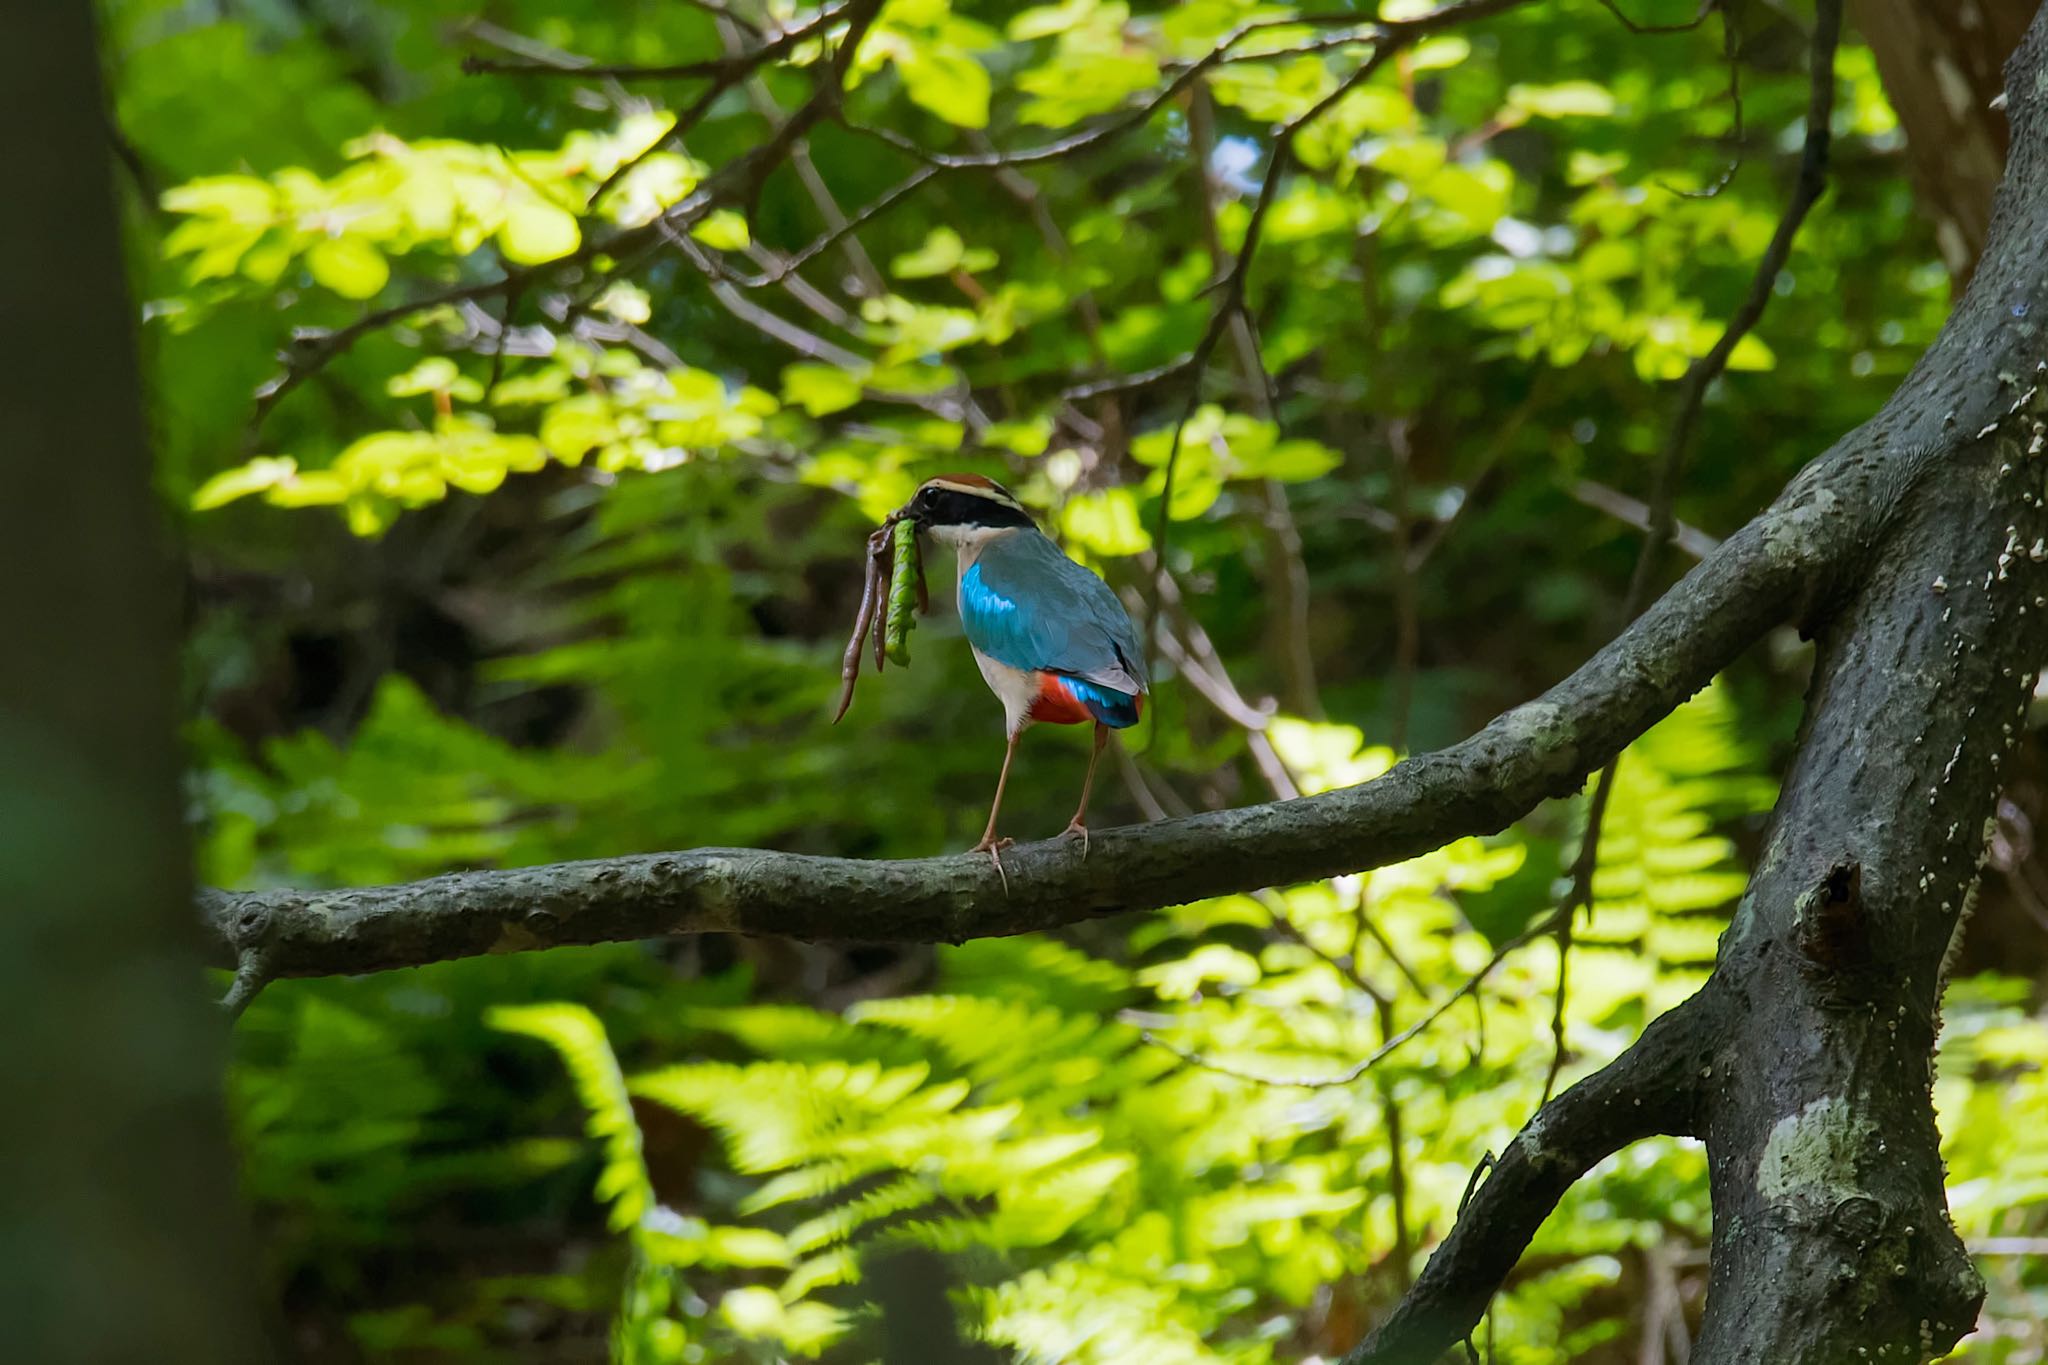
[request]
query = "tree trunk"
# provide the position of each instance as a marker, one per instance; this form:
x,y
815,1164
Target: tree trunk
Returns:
x,y
123,1232
1806,1063
1831,1233
1942,64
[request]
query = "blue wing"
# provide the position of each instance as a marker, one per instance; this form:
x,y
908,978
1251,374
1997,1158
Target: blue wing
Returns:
x,y
1025,604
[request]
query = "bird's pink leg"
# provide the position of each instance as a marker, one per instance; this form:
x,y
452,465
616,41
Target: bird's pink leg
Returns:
x,y
989,843
1079,824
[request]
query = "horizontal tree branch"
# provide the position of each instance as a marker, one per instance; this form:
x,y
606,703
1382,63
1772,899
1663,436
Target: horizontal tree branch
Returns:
x,y
1545,748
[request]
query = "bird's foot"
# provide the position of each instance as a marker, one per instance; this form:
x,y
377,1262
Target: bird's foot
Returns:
x,y
1074,826
994,847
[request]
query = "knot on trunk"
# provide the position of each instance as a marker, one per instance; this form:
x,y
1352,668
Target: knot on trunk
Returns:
x,y
1833,931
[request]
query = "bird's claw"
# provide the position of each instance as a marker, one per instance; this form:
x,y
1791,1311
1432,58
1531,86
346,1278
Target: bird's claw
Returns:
x,y
994,847
1074,827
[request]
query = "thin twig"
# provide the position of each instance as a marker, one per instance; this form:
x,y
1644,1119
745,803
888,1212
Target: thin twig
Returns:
x,y
1486,1163
1184,640
1287,577
1731,48
859,16
1491,462
1706,8
1690,540
1698,375
1397,1161
1231,285
1546,925
1336,962
1579,897
765,321
1407,606
724,72
857,258
1813,169
513,289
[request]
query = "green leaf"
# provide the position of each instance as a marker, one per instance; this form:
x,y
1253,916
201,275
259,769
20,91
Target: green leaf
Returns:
x,y
819,389
350,266
1585,167
433,375
1105,523
265,471
627,301
1082,83
579,1041
1751,353
1048,21
310,488
535,231
1216,962
945,80
1434,54
1292,461
576,426
1567,99
241,198
940,254
724,230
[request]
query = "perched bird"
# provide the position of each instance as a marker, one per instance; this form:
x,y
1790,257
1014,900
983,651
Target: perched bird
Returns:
x,y
1052,640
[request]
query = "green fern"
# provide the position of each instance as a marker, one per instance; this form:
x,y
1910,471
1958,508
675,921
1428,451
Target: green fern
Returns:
x,y
1106,1201
579,1040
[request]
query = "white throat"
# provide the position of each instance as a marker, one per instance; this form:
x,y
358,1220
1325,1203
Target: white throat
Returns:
x,y
968,541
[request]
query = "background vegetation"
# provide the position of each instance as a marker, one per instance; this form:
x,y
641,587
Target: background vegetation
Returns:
x,y
563,570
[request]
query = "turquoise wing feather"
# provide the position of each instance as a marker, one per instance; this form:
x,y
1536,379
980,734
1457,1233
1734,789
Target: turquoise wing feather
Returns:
x,y
1025,604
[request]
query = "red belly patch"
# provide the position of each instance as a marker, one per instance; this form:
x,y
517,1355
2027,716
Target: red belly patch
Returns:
x,y
1057,705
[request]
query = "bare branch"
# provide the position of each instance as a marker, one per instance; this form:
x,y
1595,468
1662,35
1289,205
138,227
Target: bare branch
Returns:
x,y
1690,540
1813,171
1578,897
765,104
252,974
1731,48
1706,7
724,72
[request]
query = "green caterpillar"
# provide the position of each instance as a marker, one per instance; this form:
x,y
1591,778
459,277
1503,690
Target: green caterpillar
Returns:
x,y
906,579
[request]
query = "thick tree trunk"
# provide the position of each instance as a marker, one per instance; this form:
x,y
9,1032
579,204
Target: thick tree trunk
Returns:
x,y
1943,66
1831,1235
1806,1062
122,1233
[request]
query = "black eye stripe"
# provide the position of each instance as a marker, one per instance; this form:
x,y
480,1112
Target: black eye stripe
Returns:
x,y
950,507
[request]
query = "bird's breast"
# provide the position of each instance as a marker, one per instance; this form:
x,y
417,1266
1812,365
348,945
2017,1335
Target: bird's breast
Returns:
x,y
1016,688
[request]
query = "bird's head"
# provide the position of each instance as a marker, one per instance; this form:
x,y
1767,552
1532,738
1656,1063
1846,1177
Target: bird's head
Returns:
x,y
960,508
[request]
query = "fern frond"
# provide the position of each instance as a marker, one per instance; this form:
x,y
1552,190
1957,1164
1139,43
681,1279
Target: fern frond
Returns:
x,y
579,1040
778,1114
